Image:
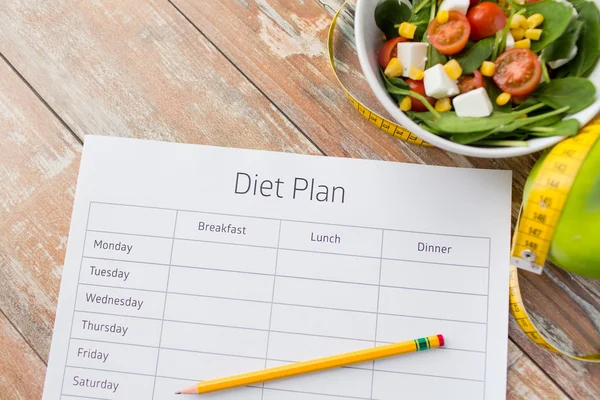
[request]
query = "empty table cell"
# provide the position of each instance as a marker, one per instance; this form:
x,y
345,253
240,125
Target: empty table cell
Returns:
x,y
106,385
444,249
457,335
124,274
330,239
202,366
128,247
116,329
136,303
272,394
131,219
331,267
166,387
214,311
387,385
347,296
227,229
439,362
325,322
450,278
296,348
214,339
427,304
351,382
225,257
235,285
112,357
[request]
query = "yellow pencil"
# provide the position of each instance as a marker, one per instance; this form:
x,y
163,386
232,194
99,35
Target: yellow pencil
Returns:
x,y
319,364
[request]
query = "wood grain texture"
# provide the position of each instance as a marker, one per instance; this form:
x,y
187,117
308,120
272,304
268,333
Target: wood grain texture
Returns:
x,y
527,381
21,370
38,170
139,69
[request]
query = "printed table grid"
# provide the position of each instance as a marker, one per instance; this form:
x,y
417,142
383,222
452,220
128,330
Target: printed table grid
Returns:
x,y
377,312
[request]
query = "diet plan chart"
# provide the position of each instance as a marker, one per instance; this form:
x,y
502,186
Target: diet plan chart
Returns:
x,y
187,263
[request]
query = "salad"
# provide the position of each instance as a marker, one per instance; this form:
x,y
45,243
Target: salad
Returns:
x,y
491,73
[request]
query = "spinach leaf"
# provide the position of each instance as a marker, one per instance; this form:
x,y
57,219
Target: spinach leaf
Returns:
x,y
450,123
557,17
576,93
588,44
420,17
433,55
578,4
468,138
521,122
546,122
567,127
493,92
561,47
471,58
390,13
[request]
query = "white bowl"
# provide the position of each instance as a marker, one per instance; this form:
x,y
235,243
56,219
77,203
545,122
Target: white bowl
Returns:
x,y
368,43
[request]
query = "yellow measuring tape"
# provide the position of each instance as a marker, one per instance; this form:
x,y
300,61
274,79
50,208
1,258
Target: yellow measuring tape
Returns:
x,y
538,219
385,125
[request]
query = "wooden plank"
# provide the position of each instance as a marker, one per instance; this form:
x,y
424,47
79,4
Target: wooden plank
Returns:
x,y
138,69
527,381
38,170
21,370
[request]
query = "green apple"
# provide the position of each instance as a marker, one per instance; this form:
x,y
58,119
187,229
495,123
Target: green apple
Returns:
x,y
576,243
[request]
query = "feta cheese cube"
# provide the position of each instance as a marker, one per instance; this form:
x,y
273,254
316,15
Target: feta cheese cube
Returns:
x,y
455,5
475,103
438,84
412,55
510,42
559,63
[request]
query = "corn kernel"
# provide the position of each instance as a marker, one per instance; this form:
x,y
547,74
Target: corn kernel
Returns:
x,y
533,34
415,74
535,20
453,69
517,21
394,68
406,104
407,30
523,44
487,68
518,33
442,16
503,99
443,105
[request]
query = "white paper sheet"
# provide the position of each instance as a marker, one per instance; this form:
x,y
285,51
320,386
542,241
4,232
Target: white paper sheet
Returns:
x,y
180,269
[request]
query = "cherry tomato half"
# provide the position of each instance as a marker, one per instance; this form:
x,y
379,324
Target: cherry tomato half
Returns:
x,y
389,50
451,37
418,87
518,72
466,83
486,19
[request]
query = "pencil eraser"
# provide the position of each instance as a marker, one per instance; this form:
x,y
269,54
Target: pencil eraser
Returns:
x,y
441,339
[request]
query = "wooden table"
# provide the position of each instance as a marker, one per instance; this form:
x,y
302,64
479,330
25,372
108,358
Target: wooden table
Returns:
x,y
242,73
